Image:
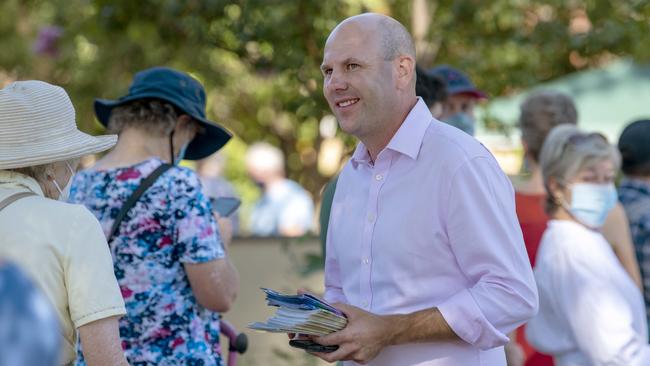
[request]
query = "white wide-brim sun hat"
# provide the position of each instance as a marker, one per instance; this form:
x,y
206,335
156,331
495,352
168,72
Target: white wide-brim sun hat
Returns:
x,y
37,126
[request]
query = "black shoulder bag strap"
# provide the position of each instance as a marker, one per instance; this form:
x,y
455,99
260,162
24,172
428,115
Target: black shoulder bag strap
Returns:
x,y
135,196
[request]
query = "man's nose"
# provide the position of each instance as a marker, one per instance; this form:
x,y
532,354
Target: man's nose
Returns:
x,y
336,82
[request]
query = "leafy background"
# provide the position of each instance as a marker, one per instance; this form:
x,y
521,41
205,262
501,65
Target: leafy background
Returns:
x,y
259,58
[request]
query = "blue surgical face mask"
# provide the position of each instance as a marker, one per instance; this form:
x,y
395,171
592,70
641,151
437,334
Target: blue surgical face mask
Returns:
x,y
591,203
462,121
181,154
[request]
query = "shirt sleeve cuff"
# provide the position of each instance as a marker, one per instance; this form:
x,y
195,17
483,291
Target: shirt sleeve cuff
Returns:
x,y
333,296
466,320
103,314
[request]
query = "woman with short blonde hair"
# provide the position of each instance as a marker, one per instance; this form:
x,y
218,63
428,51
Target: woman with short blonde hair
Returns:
x,y
591,312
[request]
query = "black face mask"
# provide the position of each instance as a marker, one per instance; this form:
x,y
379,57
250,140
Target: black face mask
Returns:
x,y
259,184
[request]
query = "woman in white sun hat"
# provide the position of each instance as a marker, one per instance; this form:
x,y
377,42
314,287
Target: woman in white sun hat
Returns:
x,y
60,245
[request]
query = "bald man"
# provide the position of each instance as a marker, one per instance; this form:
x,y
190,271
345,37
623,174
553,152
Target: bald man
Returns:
x,y
424,252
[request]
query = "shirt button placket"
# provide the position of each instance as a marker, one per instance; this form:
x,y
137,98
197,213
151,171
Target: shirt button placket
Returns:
x,y
378,175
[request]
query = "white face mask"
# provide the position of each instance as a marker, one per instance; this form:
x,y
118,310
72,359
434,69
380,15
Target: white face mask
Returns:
x,y
64,193
591,203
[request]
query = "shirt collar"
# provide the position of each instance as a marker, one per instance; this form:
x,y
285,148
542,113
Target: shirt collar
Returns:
x,y
14,180
408,138
360,155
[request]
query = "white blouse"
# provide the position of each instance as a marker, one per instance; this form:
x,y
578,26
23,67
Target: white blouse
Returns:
x,y
590,311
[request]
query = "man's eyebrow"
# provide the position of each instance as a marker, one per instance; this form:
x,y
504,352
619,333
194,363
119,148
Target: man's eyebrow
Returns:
x,y
344,62
352,60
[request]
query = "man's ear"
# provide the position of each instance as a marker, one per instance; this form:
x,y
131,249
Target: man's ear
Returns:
x,y
405,71
524,144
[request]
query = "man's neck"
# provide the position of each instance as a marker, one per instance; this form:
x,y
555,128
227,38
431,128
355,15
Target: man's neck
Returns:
x,y
273,181
376,143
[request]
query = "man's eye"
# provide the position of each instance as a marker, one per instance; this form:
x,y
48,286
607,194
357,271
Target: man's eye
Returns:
x,y
351,67
327,72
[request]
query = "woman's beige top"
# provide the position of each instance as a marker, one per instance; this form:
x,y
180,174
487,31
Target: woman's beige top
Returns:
x,y
62,247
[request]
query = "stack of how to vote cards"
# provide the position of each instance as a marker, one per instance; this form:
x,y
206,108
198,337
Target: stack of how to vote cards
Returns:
x,y
305,314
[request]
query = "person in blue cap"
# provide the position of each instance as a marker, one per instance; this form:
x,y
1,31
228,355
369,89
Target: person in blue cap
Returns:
x,y
169,257
458,109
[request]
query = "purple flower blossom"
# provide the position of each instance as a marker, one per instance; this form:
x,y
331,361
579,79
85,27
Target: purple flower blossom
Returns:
x,y
47,41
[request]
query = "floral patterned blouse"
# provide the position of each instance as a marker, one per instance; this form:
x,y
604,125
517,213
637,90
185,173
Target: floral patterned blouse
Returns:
x,y
171,224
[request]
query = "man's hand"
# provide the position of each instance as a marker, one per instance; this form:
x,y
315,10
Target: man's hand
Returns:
x,y
365,335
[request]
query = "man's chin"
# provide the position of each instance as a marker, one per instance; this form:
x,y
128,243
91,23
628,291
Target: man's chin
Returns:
x,y
348,127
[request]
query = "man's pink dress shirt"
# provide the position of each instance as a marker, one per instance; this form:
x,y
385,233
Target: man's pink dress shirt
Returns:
x,y
431,223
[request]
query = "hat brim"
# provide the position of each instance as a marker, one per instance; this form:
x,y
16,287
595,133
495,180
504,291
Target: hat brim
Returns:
x,y
475,93
203,145
58,148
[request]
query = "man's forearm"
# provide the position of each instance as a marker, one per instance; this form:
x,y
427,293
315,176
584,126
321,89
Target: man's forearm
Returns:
x,y
421,326
367,334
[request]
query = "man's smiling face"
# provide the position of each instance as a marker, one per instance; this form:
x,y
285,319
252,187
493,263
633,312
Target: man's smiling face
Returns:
x,y
358,80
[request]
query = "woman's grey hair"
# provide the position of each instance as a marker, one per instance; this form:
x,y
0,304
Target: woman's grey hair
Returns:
x,y
566,151
540,112
152,115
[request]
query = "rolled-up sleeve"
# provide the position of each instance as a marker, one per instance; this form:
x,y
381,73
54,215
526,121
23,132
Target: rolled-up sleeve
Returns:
x,y
486,240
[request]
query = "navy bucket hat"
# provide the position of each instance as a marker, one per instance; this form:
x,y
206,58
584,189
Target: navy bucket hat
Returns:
x,y
457,82
183,92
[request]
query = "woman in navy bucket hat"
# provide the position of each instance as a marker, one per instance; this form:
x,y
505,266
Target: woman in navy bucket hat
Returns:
x,y
182,91
168,255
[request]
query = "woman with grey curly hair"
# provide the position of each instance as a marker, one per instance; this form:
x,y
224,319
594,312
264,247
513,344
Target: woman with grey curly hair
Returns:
x,y
169,254
591,312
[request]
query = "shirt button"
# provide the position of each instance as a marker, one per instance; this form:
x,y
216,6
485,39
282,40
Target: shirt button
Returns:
x,y
364,303
371,218
366,260
379,177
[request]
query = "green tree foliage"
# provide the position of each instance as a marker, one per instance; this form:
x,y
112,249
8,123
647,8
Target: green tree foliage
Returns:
x,y
259,58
